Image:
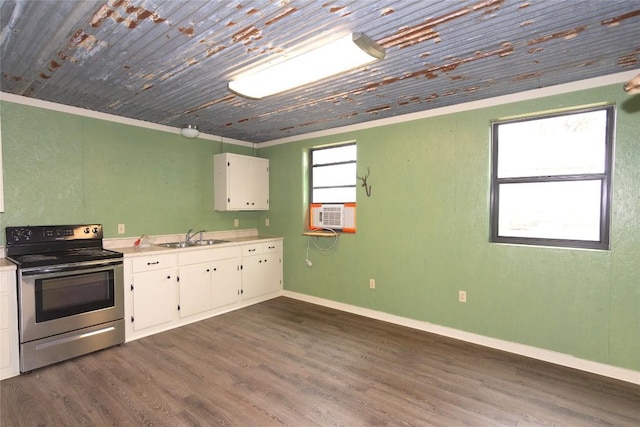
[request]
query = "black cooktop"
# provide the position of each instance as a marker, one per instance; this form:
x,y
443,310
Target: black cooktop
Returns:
x,y
36,246
64,257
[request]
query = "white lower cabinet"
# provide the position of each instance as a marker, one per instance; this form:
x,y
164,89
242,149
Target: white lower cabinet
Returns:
x,y
168,290
226,281
261,269
9,362
208,279
153,291
154,298
195,289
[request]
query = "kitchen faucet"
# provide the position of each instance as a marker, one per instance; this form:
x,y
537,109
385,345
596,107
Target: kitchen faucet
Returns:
x,y
190,236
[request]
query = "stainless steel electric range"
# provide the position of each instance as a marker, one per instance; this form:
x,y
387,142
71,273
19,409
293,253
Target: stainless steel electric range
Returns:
x,y
70,292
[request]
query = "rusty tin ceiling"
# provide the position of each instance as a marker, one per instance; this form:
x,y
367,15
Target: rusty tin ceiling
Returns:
x,y
169,61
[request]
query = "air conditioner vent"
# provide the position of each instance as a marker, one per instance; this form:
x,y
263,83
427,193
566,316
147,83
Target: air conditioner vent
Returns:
x,y
331,216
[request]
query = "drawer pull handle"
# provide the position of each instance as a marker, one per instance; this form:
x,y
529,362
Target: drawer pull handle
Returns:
x,y
153,263
252,250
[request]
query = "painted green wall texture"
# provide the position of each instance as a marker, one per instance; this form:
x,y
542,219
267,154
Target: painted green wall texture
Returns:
x,y
423,236
423,233
61,168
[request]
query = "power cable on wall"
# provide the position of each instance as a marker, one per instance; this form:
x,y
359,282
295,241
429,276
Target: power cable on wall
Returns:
x,y
320,248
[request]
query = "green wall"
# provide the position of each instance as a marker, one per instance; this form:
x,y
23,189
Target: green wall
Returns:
x,y
423,235
61,168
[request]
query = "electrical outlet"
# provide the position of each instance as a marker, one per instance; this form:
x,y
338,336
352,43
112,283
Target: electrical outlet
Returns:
x,y
372,283
236,222
462,296
266,222
120,228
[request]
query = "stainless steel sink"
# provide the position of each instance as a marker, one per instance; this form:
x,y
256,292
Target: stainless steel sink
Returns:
x,y
175,245
208,242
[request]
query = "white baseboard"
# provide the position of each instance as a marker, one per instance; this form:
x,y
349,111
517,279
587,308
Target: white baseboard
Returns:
x,y
557,358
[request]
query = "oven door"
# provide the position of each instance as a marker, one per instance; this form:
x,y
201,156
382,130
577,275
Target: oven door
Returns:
x,y
65,298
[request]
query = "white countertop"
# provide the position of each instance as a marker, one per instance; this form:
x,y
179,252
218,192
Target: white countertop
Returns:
x,y
130,251
125,245
6,265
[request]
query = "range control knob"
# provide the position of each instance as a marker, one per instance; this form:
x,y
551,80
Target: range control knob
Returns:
x,y
87,230
95,230
15,235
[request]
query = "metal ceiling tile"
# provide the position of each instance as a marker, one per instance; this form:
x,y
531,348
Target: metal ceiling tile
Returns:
x,y
168,61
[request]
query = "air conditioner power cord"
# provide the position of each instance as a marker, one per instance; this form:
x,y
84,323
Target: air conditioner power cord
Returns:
x,y
333,244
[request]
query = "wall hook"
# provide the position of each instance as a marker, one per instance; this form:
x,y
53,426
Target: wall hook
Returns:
x,y
367,188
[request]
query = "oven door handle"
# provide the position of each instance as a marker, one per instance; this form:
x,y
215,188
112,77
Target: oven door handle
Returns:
x,y
62,269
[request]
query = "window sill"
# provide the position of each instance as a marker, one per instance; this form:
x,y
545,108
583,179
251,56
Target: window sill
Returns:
x,y
319,234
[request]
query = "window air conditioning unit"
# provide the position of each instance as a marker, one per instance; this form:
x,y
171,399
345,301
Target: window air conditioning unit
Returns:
x,y
340,216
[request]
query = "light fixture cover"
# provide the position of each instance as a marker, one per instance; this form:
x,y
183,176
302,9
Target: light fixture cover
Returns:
x,y
189,131
344,54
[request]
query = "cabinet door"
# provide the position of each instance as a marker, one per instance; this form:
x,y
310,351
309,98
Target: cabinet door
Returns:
x,y
272,266
9,354
5,339
248,183
260,173
252,283
226,282
260,275
240,183
154,298
195,289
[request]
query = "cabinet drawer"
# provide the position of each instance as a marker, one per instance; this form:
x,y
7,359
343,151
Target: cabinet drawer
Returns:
x,y
226,253
271,247
195,257
155,262
255,249
198,257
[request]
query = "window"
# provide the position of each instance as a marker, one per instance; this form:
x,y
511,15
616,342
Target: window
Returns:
x,y
333,174
551,179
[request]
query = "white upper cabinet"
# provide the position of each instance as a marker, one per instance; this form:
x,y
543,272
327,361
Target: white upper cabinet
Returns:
x,y
241,183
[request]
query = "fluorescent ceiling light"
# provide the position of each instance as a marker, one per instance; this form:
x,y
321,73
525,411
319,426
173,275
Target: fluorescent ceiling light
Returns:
x,y
344,54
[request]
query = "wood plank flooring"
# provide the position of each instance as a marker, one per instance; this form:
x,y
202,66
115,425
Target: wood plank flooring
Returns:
x,y
286,362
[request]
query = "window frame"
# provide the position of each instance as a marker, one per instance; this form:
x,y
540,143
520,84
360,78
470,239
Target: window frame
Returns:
x,y
605,187
312,166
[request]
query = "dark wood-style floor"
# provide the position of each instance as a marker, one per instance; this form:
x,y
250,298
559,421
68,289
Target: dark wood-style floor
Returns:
x,y
286,362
